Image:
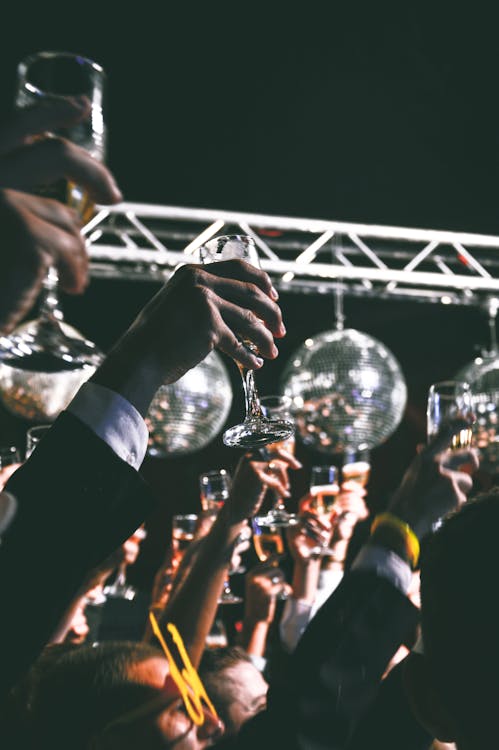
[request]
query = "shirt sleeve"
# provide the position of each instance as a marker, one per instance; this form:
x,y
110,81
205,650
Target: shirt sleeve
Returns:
x,y
295,618
386,564
113,419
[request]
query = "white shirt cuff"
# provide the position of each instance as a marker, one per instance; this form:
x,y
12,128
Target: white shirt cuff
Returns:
x,y
113,419
296,615
385,563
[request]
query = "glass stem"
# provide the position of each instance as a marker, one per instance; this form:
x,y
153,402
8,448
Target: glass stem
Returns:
x,y
251,398
49,298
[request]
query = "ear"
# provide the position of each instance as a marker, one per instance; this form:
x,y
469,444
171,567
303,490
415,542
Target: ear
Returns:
x,y
424,699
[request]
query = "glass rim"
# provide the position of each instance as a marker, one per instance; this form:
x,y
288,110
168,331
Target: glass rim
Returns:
x,y
25,63
449,384
186,516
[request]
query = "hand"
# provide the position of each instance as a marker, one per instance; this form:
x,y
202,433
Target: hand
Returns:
x,y
431,487
253,477
199,309
36,231
309,533
262,587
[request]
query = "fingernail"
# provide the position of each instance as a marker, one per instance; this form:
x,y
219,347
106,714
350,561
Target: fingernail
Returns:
x,y
282,329
259,361
275,351
274,293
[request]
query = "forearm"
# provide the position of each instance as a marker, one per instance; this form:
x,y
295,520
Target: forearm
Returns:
x,y
254,637
194,605
305,579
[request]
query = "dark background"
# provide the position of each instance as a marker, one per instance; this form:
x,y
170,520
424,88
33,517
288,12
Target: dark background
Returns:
x,y
370,113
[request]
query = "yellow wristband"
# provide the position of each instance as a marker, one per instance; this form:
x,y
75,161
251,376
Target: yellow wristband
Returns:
x,y
404,530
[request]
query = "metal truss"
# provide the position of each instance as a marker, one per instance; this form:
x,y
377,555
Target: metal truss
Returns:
x,y
143,241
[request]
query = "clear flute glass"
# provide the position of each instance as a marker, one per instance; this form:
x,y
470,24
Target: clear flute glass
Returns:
x,y
215,488
46,359
256,429
279,408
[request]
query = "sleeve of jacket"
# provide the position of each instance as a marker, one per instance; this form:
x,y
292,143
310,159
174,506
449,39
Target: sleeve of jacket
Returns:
x,y
77,502
335,672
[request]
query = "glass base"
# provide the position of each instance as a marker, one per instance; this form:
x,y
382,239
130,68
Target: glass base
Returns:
x,y
279,518
120,592
253,433
229,598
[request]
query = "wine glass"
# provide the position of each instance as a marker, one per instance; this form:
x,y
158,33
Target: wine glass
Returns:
x,y
119,588
45,361
256,429
279,408
324,490
215,488
268,542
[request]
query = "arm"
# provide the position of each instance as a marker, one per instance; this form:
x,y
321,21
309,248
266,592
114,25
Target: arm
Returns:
x,y
336,670
262,588
194,606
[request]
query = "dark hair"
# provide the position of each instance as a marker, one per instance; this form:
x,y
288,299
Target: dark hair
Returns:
x,y
84,689
459,578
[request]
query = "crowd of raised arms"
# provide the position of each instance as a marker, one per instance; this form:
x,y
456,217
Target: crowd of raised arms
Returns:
x,y
388,643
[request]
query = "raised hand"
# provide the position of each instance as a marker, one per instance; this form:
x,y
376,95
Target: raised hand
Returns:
x,y
37,232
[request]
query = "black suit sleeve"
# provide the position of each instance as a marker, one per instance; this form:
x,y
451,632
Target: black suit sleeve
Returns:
x,y
335,672
77,502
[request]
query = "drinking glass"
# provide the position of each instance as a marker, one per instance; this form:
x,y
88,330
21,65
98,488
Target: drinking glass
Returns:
x,y
268,542
447,400
279,408
324,489
47,348
215,489
184,527
33,437
256,429
356,467
119,588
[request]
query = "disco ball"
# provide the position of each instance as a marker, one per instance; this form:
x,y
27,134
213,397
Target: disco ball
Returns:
x,y
482,375
186,415
348,391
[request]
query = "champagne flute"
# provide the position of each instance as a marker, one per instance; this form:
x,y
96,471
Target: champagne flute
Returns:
x,y
356,467
268,542
447,400
324,490
119,588
279,407
46,360
215,489
256,429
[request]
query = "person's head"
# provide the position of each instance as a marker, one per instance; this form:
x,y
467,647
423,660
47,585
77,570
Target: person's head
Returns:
x,y
113,695
455,686
236,687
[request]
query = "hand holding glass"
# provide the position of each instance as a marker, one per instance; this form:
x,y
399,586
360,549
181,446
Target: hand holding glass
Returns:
x,y
256,429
